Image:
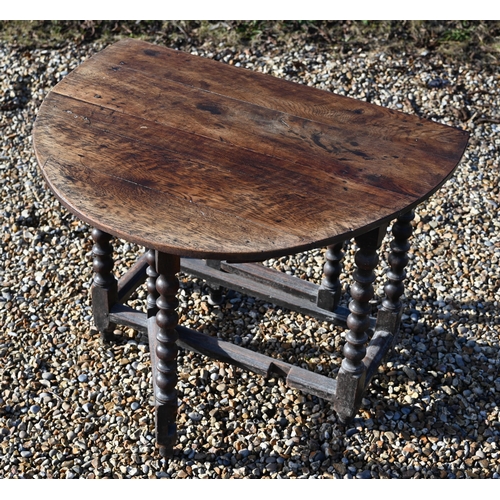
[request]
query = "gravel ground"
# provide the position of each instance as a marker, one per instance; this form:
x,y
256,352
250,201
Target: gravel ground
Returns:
x,y
71,407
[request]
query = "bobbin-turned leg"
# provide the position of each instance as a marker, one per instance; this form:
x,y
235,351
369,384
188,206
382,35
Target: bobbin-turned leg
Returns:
x,y
152,297
163,337
104,288
330,289
352,374
389,314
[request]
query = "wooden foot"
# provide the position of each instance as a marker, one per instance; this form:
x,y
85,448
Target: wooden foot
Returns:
x,y
166,451
215,295
104,289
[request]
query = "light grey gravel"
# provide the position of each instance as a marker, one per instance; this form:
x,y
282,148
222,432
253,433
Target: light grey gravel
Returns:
x,y
431,411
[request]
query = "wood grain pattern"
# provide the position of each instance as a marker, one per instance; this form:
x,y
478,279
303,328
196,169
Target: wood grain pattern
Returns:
x,y
240,165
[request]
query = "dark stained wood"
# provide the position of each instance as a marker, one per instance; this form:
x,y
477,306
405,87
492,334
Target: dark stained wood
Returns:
x,y
352,373
331,288
261,98
296,378
121,314
389,314
272,277
378,348
190,157
398,260
104,288
165,351
242,166
277,288
108,168
151,283
224,351
273,293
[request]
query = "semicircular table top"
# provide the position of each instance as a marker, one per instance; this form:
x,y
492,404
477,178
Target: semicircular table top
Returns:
x,y
197,158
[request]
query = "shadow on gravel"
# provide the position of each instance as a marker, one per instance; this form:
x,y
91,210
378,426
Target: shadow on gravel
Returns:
x,y
434,401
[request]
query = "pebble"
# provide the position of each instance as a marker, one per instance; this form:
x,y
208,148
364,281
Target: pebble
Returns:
x,y
366,474
73,407
410,372
87,407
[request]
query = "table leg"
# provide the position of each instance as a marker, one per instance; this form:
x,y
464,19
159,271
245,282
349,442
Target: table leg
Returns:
x,y
215,291
104,289
389,315
165,351
330,289
352,374
151,283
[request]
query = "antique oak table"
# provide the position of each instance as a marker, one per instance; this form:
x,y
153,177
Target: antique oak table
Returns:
x,y
226,167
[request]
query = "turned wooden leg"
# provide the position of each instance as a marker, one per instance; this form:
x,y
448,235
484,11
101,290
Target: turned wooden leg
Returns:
x,y
330,289
152,297
165,351
352,374
104,289
389,315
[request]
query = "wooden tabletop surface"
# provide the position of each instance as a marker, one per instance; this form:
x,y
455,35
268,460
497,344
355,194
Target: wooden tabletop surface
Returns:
x,y
198,158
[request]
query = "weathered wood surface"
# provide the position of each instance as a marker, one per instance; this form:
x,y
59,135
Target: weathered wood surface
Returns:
x,y
296,377
125,315
352,373
303,302
272,277
331,288
193,157
378,348
165,351
104,288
